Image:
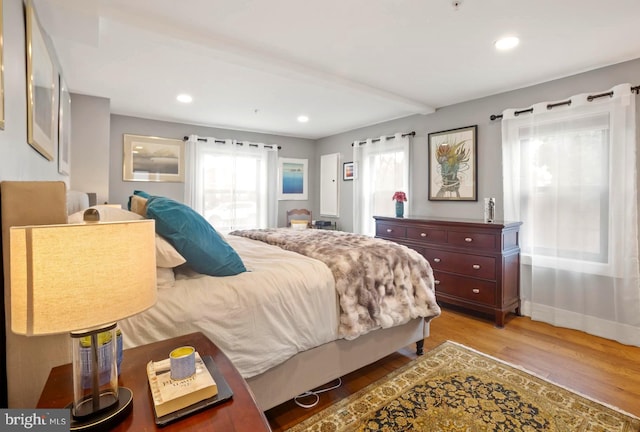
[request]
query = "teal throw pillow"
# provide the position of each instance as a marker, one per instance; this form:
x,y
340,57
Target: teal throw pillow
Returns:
x,y
194,238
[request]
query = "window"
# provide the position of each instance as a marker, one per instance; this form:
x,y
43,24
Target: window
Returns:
x,y
566,190
235,184
565,179
383,169
570,176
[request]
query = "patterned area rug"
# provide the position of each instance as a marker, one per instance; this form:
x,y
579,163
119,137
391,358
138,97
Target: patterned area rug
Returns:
x,y
454,388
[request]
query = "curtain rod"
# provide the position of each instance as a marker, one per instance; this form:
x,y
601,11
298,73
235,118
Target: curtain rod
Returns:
x,y
635,89
237,142
412,133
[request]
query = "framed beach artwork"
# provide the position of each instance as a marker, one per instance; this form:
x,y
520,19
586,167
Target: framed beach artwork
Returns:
x,y
293,179
453,165
42,90
153,159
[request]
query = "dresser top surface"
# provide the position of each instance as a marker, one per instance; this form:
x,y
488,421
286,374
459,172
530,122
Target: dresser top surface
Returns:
x,y
444,220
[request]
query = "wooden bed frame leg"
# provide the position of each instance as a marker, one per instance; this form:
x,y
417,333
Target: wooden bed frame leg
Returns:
x,y
420,347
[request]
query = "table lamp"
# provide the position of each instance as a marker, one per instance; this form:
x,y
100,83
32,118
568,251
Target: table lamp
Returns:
x,y
82,279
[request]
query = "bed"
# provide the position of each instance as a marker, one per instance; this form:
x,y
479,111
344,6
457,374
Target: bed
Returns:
x,y
282,322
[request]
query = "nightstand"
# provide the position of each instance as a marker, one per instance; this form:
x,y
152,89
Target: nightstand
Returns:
x,y
239,414
326,225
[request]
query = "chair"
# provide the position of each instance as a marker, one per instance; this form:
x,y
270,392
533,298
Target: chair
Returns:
x,y
295,215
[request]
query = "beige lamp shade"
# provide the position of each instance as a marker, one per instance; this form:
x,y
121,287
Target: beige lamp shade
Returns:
x,y
80,276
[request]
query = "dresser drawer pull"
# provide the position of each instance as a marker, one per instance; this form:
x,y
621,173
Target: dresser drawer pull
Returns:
x,y
476,291
436,260
476,266
423,234
389,230
437,282
468,239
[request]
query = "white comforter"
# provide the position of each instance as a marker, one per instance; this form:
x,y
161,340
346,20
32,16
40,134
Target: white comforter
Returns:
x,y
284,304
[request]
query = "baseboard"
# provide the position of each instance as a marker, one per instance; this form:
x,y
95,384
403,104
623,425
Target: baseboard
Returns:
x,y
607,329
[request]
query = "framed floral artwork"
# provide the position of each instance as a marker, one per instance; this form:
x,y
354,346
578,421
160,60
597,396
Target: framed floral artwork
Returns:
x,y
453,165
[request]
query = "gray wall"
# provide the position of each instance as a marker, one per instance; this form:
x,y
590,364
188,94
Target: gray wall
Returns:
x,y
90,145
459,115
120,190
474,112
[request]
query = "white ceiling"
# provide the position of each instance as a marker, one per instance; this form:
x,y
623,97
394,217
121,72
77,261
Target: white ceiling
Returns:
x,y
257,64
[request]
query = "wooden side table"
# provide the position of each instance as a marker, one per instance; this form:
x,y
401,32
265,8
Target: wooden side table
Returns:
x,y
239,414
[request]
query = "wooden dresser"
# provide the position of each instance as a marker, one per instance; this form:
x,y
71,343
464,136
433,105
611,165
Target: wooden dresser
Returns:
x,y
476,265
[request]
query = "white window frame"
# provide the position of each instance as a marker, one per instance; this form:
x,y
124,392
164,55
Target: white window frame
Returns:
x,y
605,268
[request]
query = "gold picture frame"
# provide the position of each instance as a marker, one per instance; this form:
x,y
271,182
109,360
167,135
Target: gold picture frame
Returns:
x,y
152,159
42,89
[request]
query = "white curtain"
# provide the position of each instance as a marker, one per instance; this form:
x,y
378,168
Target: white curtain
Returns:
x,y
233,185
382,168
570,176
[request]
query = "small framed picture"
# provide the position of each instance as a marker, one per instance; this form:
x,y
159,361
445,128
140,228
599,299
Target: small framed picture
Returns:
x,y
348,171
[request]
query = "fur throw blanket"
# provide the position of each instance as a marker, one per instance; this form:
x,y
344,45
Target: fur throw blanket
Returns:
x,y
379,283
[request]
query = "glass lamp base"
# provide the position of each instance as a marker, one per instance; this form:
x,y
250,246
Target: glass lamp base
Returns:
x,y
107,419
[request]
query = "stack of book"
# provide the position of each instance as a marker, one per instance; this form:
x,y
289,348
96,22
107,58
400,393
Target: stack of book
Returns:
x,y
170,396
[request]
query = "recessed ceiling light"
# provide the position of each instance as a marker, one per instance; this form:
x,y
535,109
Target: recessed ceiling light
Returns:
x,y
184,98
303,118
507,43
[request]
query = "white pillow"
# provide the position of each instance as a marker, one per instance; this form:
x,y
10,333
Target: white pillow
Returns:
x,y
299,224
166,255
165,278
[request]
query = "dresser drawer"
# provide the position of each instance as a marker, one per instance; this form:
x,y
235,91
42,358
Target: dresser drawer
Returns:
x,y
474,240
465,288
483,267
431,235
388,230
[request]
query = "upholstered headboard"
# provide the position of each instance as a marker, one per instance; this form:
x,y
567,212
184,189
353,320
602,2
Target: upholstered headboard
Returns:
x,y
29,359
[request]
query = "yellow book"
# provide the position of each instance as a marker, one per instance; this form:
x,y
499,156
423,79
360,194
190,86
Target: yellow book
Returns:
x,y
172,395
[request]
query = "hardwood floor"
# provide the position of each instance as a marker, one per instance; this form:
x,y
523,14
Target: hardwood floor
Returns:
x,y
599,368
